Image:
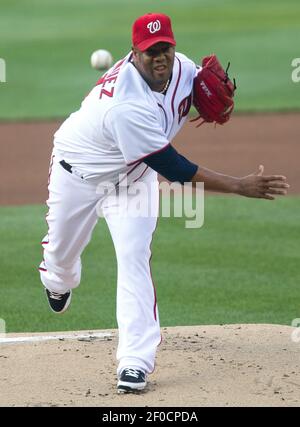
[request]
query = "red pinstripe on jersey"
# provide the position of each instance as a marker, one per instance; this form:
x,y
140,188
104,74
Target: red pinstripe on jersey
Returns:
x,y
176,86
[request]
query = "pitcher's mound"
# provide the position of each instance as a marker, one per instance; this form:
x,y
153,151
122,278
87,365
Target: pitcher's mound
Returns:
x,y
231,365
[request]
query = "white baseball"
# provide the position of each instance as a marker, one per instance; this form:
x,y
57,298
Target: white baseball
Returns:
x,y
101,59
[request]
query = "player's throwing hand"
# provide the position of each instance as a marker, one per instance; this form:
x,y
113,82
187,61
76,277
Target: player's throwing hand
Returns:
x,y
262,186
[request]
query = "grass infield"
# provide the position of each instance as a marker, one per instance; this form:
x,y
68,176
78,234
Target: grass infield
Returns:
x,y
242,266
47,46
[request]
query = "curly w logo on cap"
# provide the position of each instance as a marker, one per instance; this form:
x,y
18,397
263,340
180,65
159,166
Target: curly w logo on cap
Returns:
x,y
154,26
150,29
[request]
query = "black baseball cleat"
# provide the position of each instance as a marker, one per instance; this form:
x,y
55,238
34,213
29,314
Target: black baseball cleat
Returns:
x,y
131,380
59,302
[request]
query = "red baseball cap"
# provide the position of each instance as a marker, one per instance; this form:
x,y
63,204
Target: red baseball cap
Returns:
x,y
150,29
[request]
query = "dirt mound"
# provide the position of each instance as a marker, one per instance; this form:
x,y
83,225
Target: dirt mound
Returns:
x,y
230,365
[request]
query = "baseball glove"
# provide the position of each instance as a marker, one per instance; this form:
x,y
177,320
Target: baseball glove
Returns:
x,y
213,92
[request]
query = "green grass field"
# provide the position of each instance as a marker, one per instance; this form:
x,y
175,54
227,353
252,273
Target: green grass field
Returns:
x,y
242,266
47,45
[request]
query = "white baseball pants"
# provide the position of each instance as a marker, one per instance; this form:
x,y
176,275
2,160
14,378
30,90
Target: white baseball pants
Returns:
x,y
73,205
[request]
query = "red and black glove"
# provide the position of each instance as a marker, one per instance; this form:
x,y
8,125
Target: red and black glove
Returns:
x,y
213,92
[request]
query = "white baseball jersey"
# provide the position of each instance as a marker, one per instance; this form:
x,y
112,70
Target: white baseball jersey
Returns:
x,y
121,121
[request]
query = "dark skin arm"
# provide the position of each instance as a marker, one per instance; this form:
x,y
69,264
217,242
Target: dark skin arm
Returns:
x,y
254,185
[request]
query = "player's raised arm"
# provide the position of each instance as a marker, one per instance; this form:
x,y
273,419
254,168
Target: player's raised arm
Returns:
x,y
175,167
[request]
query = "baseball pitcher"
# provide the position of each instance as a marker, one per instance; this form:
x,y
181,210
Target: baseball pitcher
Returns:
x,y
124,129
